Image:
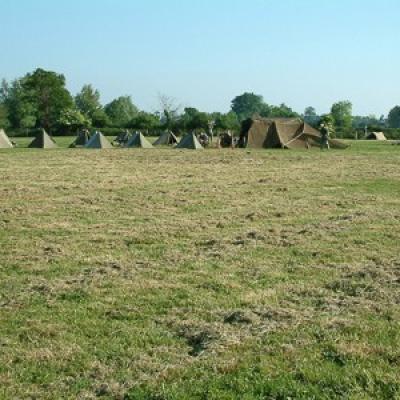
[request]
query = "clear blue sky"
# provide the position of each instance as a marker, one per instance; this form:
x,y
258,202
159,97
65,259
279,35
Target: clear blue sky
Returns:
x,y
205,52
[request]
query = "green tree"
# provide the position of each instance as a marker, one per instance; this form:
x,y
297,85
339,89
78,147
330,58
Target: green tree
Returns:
x,y
193,119
394,117
71,120
4,121
100,119
44,96
282,111
121,111
342,117
249,104
227,121
144,121
88,101
169,114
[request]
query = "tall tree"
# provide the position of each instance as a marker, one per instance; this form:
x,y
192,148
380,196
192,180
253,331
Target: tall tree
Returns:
x,y
248,104
121,111
88,100
227,121
342,117
394,117
44,93
144,121
193,119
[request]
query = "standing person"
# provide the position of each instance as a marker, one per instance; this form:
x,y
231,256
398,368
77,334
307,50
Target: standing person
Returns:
x,y
324,137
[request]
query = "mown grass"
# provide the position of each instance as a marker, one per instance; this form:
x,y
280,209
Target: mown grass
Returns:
x,y
220,274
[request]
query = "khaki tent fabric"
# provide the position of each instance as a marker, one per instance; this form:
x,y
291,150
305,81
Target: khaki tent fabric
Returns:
x,y
98,141
289,133
43,141
82,139
166,139
189,142
5,142
139,141
376,136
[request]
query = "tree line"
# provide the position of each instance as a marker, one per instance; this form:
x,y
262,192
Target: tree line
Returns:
x,y
40,99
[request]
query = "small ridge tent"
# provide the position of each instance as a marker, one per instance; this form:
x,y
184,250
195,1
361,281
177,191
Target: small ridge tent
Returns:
x,y
98,141
139,141
166,139
5,142
43,141
287,133
189,142
376,136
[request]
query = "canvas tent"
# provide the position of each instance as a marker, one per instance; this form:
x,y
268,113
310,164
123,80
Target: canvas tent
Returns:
x,y
43,141
82,138
189,142
376,136
98,141
139,141
288,133
5,142
166,139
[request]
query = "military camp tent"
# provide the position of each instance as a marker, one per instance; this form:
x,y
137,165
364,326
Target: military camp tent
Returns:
x,y
189,142
43,141
376,136
139,141
166,139
82,138
289,133
98,141
5,142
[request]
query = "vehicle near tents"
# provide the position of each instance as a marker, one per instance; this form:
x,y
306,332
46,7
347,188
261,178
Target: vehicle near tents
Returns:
x,y
82,138
189,142
98,141
122,139
139,141
376,136
5,142
286,133
166,139
43,141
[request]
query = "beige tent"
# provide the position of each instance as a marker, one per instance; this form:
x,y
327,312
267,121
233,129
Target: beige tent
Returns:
x,y
166,139
139,141
43,141
287,133
376,136
189,142
5,142
98,141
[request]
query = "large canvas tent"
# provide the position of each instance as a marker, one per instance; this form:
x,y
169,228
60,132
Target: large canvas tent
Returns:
x,y
189,142
166,139
5,142
82,138
288,133
376,136
43,141
98,141
139,141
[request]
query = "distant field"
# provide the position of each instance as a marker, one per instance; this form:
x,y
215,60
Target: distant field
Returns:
x,y
217,274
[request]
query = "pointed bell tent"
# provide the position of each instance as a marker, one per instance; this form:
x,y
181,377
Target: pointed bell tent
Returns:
x,y
98,141
189,142
43,141
139,141
5,142
166,139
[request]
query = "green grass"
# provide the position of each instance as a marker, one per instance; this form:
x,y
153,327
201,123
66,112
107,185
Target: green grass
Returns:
x,y
220,274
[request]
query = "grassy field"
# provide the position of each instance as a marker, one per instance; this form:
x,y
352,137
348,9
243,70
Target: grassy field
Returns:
x,y
218,274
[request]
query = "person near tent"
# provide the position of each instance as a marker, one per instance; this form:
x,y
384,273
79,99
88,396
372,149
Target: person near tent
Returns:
x,y
324,137
204,139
